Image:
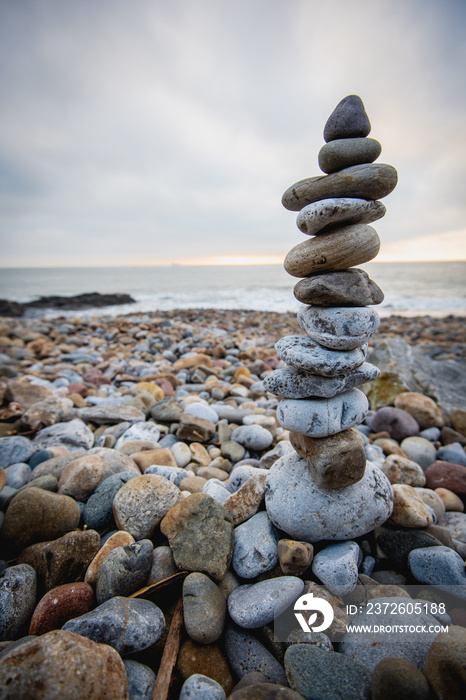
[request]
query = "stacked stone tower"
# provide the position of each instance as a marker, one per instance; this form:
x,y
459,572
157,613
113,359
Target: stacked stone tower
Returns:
x,y
327,490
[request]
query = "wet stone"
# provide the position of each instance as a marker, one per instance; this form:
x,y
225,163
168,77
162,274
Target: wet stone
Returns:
x,y
336,566
141,680
398,678
162,566
439,566
98,511
124,570
61,604
198,686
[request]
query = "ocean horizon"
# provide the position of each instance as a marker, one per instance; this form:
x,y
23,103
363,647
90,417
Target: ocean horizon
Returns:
x,y
434,288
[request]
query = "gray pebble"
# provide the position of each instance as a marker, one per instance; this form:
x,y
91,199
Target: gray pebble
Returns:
x,y
173,474
318,639
124,570
15,449
255,605
304,353
162,566
439,566
339,328
74,435
293,383
141,680
318,417
214,488
17,475
142,430
199,687
245,654
204,608
343,153
449,453
241,473
18,586
202,411
326,214
98,510
419,450
337,567
255,547
253,437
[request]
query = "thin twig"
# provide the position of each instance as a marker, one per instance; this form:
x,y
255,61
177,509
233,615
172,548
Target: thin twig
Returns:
x,y
170,654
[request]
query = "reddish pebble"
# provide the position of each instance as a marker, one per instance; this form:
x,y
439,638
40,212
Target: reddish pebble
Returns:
x,y
447,476
61,604
166,386
76,388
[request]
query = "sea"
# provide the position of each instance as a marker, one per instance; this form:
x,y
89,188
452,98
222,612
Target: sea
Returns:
x,y
435,288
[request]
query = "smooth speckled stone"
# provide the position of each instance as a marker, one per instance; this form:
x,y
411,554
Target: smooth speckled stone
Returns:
x,y
15,449
439,566
450,500
445,666
60,605
214,489
200,534
370,647
126,624
328,214
98,511
367,181
204,608
141,680
322,417
255,549
401,470
339,328
253,437
302,352
348,120
293,383
335,461
432,500
316,673
141,503
240,474
400,679
336,566
198,686
426,412
455,524
245,654
409,510
50,667
351,287
163,565
337,514
398,423
343,153
81,477
245,502
17,599
294,557
202,411
17,475
111,414
255,605
335,250
419,450
124,570
174,474
36,515
74,435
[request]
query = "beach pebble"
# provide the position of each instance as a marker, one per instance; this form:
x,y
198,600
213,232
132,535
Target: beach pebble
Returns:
x,y
81,477
338,249
55,661
398,678
432,500
327,214
319,418
348,120
198,686
18,588
61,604
431,434
204,608
232,450
336,566
160,455
255,546
438,566
423,409
366,181
338,514
200,534
205,659
15,449
121,538
398,423
316,673
343,153
293,383
253,437
162,566
401,470
173,474
17,475
453,453
141,680
214,488
302,352
241,473
445,666
397,544
339,328
450,500
37,515
260,690
245,654
202,411
294,557
141,503
335,461
141,430
126,624
447,475
409,510
192,428
74,435
351,287
419,450
181,453
255,605
124,570
110,414
98,511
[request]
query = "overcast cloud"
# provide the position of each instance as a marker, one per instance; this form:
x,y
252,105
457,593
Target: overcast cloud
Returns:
x,y
152,131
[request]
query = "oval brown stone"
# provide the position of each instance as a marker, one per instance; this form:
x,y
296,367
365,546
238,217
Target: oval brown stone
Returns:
x,y
206,659
367,181
447,475
337,250
60,605
61,665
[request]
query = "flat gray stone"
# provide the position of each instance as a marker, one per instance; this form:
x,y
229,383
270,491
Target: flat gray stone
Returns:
x,y
111,414
343,153
367,181
439,566
246,654
18,475
239,475
98,510
304,353
322,417
124,570
15,449
352,287
74,435
296,505
255,605
455,523
255,547
204,608
327,214
126,624
348,120
198,686
293,383
336,566
339,328
18,586
141,680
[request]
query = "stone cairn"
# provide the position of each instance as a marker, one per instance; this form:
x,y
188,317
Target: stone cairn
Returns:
x,y
326,489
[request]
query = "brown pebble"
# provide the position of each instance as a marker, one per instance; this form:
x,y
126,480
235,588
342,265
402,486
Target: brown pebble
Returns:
x,y
450,499
409,510
445,665
448,476
294,557
398,679
81,477
245,502
422,408
207,660
59,605
3,478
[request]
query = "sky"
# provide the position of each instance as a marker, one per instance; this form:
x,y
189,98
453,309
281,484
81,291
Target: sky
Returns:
x,y
152,132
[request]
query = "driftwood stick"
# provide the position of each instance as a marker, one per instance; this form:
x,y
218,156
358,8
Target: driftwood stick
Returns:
x,y
169,656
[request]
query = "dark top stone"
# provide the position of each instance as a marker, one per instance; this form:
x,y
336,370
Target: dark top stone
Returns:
x,y
348,120
397,544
